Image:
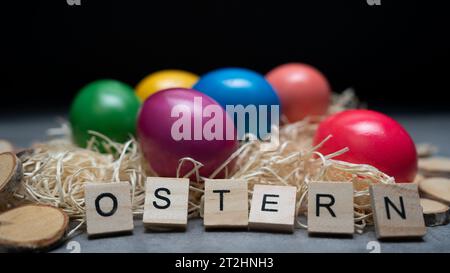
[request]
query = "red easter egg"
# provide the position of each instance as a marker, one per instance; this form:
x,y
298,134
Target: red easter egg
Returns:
x,y
373,138
303,90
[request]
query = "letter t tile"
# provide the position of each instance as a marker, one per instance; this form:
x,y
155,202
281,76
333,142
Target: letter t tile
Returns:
x,y
226,204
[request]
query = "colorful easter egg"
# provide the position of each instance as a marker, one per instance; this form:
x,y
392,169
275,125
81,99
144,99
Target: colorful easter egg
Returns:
x,y
373,138
303,90
238,87
177,123
164,79
109,107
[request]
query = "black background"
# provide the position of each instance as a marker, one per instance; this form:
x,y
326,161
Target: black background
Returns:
x,y
283,262
394,55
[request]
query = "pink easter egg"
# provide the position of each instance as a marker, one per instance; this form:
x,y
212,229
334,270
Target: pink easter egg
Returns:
x,y
176,123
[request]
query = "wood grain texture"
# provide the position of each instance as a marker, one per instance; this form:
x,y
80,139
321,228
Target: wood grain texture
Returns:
x,y
233,212
6,146
117,215
158,212
435,213
408,221
435,167
273,208
32,226
11,173
436,188
338,217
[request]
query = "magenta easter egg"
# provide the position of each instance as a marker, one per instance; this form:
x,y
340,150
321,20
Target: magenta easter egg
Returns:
x,y
180,122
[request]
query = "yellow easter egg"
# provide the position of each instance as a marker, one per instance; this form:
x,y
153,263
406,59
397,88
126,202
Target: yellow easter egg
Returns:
x,y
164,79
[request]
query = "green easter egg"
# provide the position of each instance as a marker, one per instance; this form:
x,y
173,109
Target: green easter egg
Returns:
x,y
109,107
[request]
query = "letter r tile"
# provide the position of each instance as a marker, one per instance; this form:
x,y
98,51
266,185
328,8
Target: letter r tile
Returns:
x,y
330,208
397,211
108,208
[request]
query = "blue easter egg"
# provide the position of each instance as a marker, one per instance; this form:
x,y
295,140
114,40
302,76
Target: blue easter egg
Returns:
x,y
243,87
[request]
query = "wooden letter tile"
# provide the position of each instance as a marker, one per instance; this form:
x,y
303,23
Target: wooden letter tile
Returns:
x,y
330,208
166,202
226,203
397,211
108,208
273,208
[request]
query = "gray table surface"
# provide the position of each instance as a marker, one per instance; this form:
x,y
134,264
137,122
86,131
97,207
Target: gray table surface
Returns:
x,y
22,130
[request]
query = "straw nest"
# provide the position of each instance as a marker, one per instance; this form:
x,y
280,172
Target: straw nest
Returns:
x,y
55,171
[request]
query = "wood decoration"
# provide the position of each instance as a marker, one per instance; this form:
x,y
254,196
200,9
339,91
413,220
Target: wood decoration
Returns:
x,y
11,172
273,208
166,202
435,167
426,150
225,204
397,211
436,188
25,154
435,213
32,226
108,208
418,179
330,208
6,146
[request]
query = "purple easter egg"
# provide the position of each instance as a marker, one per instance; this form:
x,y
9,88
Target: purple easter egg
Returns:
x,y
174,123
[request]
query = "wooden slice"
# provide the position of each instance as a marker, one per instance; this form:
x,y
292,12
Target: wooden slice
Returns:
x,y
436,188
426,149
10,172
435,166
418,178
24,155
5,146
435,213
32,226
